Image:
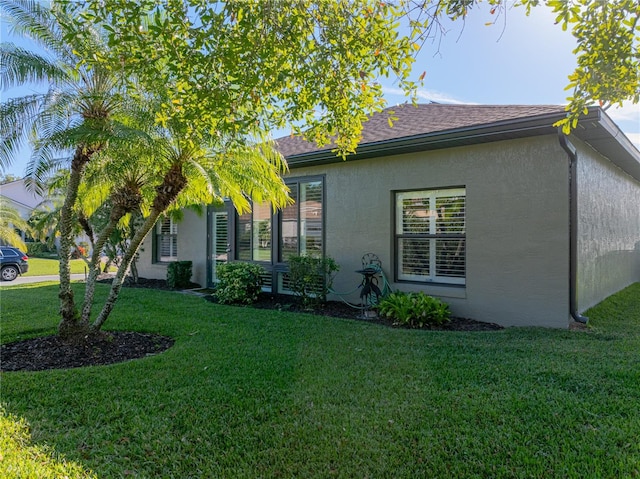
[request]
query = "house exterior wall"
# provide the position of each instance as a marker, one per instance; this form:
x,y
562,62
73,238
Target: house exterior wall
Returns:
x,y
23,210
608,228
20,199
517,224
192,246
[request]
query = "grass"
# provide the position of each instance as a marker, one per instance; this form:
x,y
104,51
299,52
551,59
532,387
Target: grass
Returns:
x,y
246,393
20,459
47,266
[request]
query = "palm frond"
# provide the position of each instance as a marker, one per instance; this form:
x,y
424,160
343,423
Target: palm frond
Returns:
x,y
59,110
44,220
10,220
46,160
91,196
19,66
31,19
16,115
253,172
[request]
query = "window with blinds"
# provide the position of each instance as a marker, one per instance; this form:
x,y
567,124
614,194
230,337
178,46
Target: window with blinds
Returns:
x,y
273,237
166,240
219,242
430,235
253,234
301,223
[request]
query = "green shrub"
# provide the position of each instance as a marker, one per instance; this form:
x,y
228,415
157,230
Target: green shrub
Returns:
x,y
179,274
239,282
414,309
36,248
311,277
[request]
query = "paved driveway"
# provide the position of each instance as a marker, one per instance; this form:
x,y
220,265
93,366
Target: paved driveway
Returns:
x,y
38,279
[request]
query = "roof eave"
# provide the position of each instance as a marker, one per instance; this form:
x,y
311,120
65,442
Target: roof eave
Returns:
x,y
599,131
594,128
502,130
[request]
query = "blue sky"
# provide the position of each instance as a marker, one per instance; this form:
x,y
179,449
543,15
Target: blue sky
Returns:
x,y
518,60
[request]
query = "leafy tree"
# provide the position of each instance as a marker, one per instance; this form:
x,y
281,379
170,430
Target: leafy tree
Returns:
x,y
316,64
8,178
608,52
218,150
310,65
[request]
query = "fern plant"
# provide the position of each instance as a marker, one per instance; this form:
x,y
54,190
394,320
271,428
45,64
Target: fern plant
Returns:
x,y
414,309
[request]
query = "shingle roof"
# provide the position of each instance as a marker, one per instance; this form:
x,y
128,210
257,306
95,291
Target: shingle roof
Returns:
x,y
424,119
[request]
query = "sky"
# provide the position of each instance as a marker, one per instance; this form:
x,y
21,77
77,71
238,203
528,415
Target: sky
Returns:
x,y
518,60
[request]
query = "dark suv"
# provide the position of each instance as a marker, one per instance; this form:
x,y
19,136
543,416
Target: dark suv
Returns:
x,y
12,263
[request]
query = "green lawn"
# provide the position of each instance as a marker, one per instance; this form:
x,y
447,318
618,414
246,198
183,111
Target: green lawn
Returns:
x,y
46,266
249,393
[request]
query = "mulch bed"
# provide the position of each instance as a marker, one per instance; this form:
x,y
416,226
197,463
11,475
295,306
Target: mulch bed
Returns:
x,y
50,352
340,309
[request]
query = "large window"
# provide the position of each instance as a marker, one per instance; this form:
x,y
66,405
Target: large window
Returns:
x,y
299,226
301,222
430,236
271,238
253,234
166,240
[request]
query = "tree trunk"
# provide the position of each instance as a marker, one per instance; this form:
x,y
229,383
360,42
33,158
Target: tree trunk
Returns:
x,y
125,199
107,266
94,269
133,269
173,183
70,323
129,254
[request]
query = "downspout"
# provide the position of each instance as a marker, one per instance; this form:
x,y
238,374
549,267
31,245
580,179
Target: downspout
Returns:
x,y
572,153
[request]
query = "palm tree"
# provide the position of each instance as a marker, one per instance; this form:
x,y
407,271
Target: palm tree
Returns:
x,y
10,219
115,150
180,174
68,124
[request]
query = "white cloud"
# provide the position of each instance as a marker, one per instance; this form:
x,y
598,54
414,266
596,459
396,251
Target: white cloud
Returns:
x,y
628,112
425,95
627,118
634,137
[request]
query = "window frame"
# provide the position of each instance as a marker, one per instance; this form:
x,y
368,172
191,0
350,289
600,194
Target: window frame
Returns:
x,y
157,235
298,181
276,266
432,237
252,237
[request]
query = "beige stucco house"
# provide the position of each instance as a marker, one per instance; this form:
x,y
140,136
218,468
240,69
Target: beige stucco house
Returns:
x,y
489,208
19,197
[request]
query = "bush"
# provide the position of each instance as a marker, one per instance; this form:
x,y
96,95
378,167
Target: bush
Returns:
x,y
414,309
38,249
239,282
179,274
311,277
34,249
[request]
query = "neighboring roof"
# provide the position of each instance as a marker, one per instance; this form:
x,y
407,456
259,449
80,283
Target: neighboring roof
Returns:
x,y
18,192
433,126
15,202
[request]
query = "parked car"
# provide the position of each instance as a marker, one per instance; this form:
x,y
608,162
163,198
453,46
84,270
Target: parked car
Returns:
x,y
12,263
